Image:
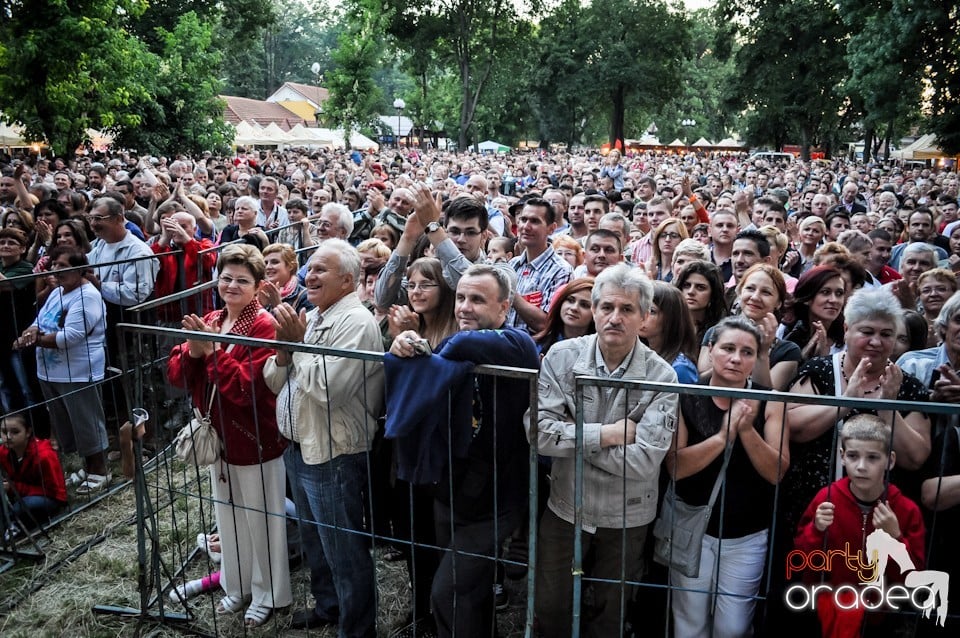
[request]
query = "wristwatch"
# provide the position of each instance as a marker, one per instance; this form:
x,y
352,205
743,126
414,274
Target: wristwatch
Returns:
x,y
432,227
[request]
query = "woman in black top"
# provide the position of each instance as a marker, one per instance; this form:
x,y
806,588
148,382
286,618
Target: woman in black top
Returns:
x,y
742,513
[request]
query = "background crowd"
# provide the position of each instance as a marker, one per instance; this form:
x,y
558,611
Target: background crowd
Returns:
x,y
824,277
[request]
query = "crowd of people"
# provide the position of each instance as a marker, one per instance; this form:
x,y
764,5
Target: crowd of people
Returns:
x,y
808,278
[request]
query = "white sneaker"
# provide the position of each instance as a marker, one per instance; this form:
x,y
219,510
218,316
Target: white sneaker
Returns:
x,y
94,483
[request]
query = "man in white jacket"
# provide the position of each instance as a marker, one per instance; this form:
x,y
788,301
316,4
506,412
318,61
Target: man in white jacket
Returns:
x,y
327,406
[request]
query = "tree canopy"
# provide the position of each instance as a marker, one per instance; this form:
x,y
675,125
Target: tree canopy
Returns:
x,y
809,72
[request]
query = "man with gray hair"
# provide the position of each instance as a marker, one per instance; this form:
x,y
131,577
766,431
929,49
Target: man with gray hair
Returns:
x,y
328,407
625,438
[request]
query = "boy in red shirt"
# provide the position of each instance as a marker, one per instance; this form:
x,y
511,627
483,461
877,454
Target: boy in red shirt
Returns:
x,y
844,514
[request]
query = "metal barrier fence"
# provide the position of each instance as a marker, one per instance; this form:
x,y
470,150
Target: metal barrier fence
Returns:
x,y
175,503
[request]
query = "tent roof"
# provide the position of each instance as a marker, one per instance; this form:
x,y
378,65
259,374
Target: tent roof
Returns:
x,y
676,143
702,142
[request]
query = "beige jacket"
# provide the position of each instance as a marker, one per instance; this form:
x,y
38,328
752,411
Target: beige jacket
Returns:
x,y
607,470
330,404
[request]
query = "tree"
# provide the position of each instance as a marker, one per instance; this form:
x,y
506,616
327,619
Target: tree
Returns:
x,y
66,67
885,74
788,80
940,49
623,66
466,34
354,97
187,114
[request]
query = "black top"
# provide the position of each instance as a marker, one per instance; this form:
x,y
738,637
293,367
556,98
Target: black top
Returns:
x,y
745,497
231,232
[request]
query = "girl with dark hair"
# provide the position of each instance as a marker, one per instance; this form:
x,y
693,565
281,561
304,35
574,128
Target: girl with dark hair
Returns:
x,y
702,289
47,214
674,339
429,309
571,315
817,322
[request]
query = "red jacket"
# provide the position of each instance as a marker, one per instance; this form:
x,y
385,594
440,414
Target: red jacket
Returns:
x,y
850,525
39,473
244,411
167,278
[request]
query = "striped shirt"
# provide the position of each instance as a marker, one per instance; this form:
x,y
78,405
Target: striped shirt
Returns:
x,y
538,281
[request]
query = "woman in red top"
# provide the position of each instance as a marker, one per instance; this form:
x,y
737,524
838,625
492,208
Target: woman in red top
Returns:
x,y
32,476
248,480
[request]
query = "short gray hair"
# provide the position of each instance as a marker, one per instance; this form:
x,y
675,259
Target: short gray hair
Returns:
x,y
854,240
348,255
627,279
692,247
949,310
346,217
505,276
113,207
919,247
873,303
250,202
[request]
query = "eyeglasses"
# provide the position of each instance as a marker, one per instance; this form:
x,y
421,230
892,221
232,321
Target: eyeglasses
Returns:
x,y
100,218
229,281
469,232
10,242
670,235
324,224
413,287
926,290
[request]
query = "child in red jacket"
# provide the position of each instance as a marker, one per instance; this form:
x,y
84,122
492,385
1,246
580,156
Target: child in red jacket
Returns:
x,y
32,476
845,516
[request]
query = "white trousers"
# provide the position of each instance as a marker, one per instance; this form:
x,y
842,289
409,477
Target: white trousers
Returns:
x,y
739,572
254,544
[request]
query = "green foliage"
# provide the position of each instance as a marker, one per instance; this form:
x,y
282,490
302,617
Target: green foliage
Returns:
x,y
66,67
354,97
788,79
940,49
187,114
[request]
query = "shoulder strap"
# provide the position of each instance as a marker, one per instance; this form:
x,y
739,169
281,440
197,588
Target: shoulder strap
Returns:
x,y
213,394
727,453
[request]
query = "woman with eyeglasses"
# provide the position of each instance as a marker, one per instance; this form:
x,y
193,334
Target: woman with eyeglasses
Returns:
x,y
429,311
666,237
248,481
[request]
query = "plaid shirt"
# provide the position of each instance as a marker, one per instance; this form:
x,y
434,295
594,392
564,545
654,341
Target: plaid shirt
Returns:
x,y
540,278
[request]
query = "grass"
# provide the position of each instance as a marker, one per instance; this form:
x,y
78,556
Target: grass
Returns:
x,y
55,596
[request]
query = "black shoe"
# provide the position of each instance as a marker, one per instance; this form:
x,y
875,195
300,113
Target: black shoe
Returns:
x,y
309,619
501,597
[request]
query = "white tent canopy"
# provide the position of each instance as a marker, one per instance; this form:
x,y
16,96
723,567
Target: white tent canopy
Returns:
x,y
11,135
702,142
489,146
300,135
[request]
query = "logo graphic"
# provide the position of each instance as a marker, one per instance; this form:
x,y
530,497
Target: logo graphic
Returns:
x,y
923,589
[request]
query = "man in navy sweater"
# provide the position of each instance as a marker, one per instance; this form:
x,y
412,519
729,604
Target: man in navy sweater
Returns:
x,y
482,498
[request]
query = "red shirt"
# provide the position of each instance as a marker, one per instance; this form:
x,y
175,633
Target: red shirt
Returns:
x,y
244,410
170,280
39,473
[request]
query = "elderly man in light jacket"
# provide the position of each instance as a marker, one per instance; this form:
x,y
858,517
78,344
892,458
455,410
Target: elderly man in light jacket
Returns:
x,y
328,406
626,434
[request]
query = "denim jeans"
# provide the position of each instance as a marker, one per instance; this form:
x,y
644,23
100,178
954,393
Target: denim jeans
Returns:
x,y
31,511
329,498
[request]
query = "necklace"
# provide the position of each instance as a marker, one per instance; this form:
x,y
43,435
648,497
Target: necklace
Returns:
x,y
843,373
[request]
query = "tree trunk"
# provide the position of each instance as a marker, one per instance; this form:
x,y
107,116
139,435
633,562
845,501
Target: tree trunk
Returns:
x,y
804,145
616,119
867,144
